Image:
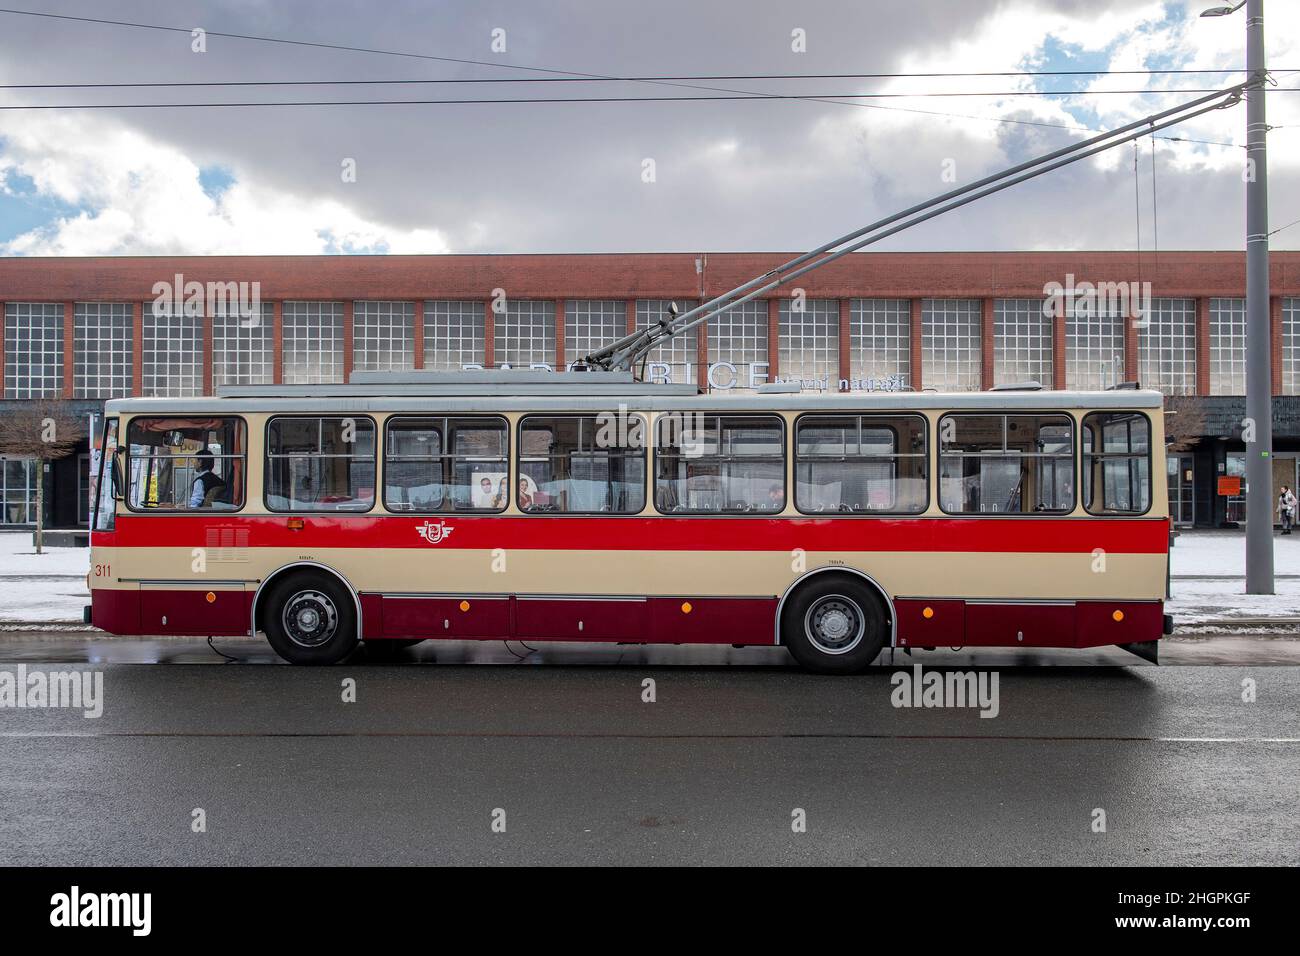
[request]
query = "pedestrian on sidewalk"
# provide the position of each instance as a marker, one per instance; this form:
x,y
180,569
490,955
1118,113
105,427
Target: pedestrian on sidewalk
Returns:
x,y
1286,504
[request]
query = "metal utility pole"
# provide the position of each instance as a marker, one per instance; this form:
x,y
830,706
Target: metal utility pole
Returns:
x,y
1259,340
1259,384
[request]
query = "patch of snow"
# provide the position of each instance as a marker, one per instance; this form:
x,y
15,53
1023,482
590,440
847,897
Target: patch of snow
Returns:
x,y
18,557
1224,552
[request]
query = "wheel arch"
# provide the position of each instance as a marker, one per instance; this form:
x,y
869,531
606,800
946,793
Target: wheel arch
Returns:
x,y
807,576
289,569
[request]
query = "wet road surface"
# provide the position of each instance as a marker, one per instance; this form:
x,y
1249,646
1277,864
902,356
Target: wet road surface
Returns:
x,y
584,770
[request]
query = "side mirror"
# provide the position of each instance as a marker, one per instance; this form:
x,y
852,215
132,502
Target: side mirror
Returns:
x,y
117,477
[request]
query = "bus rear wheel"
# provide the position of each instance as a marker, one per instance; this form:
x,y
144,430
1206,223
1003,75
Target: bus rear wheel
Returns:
x,y
834,624
311,619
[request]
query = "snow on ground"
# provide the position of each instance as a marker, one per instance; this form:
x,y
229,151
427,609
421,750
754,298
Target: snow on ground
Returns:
x,y
1224,552
18,556
1199,601
51,586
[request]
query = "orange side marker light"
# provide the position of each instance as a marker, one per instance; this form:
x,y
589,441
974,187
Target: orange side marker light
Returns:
x,y
296,524
464,605
212,598
686,607
928,613
1118,616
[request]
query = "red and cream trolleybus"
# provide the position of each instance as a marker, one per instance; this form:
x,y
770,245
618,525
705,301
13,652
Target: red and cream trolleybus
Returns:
x,y
585,506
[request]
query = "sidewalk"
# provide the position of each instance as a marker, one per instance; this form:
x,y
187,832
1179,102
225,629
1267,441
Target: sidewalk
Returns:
x,y
1208,577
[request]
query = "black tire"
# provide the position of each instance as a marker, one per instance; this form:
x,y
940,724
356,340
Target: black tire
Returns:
x,y
310,618
834,624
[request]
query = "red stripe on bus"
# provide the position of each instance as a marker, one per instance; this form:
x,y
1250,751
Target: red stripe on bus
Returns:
x,y
576,533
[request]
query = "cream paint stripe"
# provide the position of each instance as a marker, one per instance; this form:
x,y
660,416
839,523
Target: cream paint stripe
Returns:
x,y
961,575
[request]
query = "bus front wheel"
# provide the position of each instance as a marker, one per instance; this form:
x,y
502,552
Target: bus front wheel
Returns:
x,y
311,619
834,624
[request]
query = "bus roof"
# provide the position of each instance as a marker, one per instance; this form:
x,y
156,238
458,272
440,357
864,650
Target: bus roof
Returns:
x,y
532,391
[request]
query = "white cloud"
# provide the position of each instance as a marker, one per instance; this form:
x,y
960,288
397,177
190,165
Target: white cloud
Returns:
x,y
144,197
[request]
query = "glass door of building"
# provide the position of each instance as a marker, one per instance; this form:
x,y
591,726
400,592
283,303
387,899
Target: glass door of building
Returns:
x,y
1182,490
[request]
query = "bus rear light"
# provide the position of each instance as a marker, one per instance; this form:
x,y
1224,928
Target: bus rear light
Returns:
x,y
295,524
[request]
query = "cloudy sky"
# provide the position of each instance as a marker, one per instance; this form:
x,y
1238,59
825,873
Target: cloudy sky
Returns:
x,y
748,174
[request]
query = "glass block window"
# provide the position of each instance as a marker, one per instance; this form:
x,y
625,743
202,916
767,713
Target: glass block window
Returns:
x,y
243,350
1022,342
1167,347
809,342
33,350
680,353
173,354
17,490
880,342
453,334
950,344
1094,348
102,354
313,342
740,337
525,334
1227,346
1291,346
590,324
383,336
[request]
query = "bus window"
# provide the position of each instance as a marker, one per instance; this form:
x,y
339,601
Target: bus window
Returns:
x,y
720,464
1006,464
320,464
186,464
860,464
103,488
445,464
570,465
1116,463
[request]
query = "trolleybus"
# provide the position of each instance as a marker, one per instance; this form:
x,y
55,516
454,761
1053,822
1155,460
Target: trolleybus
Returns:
x,y
585,506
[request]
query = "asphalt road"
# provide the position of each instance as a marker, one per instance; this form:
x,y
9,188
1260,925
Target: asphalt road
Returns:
x,y
586,771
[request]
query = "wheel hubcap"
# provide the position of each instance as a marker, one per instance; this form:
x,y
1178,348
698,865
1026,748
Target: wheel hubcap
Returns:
x,y
835,624
310,618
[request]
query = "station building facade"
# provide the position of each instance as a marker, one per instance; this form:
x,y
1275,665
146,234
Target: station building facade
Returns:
x,y
78,331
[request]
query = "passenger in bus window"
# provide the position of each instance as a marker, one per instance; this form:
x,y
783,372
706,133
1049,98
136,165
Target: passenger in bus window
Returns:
x,y
206,485
776,498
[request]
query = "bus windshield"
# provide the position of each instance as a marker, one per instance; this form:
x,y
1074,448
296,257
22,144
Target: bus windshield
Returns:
x,y
179,464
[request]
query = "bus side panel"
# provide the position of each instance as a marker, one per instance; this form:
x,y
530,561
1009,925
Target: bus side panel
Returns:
x,y
1019,625
115,610
1118,622
443,617
581,619
215,611
687,620
372,616
945,626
